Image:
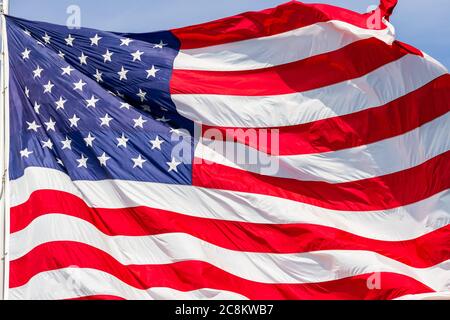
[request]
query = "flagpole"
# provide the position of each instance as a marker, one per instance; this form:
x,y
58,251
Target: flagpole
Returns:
x,y
4,190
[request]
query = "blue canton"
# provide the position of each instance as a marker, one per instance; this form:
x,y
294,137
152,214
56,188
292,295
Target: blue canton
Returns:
x,y
95,104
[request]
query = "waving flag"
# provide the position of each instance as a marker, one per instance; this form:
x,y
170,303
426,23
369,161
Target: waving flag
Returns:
x,y
122,184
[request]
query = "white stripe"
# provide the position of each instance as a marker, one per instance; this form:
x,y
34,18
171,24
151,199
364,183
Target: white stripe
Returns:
x,y
397,224
278,49
377,88
427,296
368,161
309,267
71,283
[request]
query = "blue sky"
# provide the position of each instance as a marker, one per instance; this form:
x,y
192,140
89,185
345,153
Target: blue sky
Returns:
x,y
424,24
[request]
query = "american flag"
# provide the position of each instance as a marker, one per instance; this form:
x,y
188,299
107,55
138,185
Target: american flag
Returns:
x,y
121,188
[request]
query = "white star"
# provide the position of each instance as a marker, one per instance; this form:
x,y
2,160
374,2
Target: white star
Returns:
x,y
48,87
139,122
152,72
83,59
82,162
27,92
89,140
124,105
120,94
92,102
37,73
122,141
138,162
50,125
37,107
67,144
125,42
103,159
95,40
28,33
108,56
142,95
79,85
60,103
33,126
39,43
98,76
175,131
74,121
163,119
137,55
156,144
46,38
61,54
123,74
69,40
105,120
146,108
25,153
173,165
47,144
160,45
59,161
26,54
67,70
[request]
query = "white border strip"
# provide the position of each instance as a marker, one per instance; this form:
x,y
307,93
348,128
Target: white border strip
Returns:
x,y
5,157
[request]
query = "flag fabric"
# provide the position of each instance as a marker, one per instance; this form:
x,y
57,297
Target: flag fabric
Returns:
x,y
121,186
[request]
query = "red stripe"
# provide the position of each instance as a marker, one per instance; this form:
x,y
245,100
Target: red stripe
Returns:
x,y
350,62
425,251
387,7
98,297
360,128
379,193
250,25
194,275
